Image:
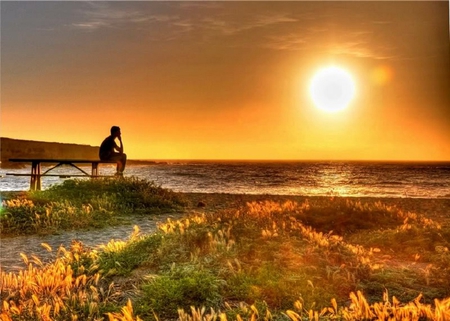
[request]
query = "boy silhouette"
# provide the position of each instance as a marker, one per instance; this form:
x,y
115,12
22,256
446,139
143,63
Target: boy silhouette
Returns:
x,y
109,150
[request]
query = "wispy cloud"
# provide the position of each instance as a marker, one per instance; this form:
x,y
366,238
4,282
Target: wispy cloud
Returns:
x,y
204,21
289,41
230,26
199,4
102,14
362,50
350,43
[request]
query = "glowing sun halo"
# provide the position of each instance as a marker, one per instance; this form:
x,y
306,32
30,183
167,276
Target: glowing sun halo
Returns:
x,y
332,89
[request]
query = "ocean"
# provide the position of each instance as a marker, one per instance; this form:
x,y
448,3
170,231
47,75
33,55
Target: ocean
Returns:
x,y
309,178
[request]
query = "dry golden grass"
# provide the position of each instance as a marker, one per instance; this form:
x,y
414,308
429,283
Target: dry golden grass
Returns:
x,y
266,249
55,291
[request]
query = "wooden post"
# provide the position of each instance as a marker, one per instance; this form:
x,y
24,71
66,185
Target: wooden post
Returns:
x,y
94,169
35,180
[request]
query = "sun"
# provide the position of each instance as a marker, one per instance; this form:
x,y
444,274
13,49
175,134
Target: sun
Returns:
x,y
332,88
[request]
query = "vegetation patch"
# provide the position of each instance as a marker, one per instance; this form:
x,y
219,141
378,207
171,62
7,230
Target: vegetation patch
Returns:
x,y
125,194
81,204
265,260
181,287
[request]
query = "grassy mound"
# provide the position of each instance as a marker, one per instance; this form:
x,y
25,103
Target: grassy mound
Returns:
x,y
77,204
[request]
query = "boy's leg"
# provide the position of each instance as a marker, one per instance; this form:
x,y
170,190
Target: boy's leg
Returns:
x,y
121,160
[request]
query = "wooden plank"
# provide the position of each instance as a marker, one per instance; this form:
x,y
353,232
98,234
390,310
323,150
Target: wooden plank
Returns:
x,y
50,160
59,175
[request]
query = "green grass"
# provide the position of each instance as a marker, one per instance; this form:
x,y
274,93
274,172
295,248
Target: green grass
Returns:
x,y
265,260
182,286
126,194
266,254
81,204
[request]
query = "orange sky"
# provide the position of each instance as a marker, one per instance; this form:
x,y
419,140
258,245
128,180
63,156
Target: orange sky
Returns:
x,y
228,80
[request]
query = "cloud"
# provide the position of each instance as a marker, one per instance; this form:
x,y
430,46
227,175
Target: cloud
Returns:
x,y
290,41
102,14
275,30
199,5
351,43
266,20
89,25
230,26
187,16
362,50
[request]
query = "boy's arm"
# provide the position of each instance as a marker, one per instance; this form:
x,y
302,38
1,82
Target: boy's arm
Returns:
x,y
120,148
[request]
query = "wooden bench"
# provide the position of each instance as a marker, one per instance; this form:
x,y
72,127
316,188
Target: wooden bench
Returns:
x,y
35,175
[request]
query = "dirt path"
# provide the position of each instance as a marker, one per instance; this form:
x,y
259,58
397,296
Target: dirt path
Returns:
x,y
11,247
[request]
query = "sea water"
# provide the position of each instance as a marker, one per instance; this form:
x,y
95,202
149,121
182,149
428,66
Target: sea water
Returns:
x,y
318,178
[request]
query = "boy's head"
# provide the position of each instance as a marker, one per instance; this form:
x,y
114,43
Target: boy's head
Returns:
x,y
115,130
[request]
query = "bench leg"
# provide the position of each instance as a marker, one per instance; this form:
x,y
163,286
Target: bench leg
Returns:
x,y
35,180
94,169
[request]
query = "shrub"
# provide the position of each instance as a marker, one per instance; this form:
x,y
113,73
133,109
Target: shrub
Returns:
x,y
182,287
129,194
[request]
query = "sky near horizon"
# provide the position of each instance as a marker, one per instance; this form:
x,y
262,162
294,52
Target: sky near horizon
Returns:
x,y
229,79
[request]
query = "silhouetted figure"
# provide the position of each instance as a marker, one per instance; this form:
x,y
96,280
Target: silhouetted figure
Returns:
x,y
109,150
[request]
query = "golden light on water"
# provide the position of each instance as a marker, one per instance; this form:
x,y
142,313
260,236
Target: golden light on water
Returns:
x,y
332,88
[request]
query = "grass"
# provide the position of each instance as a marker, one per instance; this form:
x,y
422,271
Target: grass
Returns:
x,y
127,194
81,204
264,260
